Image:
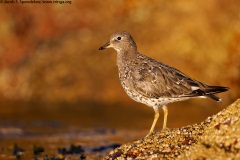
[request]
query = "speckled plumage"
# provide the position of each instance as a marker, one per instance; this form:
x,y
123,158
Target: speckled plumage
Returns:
x,y
153,83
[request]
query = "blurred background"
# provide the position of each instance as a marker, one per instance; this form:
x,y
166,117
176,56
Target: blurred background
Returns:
x,y
52,74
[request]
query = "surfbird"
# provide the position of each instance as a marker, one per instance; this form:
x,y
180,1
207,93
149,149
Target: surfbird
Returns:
x,y
154,83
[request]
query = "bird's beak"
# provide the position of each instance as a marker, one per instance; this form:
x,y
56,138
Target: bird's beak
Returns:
x,y
107,45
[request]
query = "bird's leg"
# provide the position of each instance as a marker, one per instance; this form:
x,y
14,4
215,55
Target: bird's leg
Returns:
x,y
165,111
155,120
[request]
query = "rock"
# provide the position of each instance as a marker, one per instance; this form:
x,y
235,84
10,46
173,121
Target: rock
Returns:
x,y
218,137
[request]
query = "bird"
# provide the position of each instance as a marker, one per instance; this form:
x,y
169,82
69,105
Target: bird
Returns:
x,y
152,82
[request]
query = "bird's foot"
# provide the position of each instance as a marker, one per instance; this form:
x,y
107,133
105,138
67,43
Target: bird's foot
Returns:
x,y
149,134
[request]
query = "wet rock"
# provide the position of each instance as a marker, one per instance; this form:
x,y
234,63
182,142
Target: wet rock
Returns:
x,y
72,150
37,150
218,137
106,147
17,152
55,157
82,156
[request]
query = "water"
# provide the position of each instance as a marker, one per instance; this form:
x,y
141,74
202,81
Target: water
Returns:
x,y
96,128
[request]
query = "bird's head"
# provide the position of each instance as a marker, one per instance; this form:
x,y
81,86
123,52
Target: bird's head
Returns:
x,y
120,41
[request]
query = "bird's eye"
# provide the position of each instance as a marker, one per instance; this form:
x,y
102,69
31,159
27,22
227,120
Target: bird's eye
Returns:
x,y
119,38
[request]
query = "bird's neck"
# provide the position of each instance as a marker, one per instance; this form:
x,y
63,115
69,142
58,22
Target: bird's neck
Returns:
x,y
126,57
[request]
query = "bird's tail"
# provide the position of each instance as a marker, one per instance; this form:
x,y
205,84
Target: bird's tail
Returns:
x,y
211,90
207,91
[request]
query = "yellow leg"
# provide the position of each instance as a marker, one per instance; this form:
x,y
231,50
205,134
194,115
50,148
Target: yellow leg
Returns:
x,y
154,121
165,111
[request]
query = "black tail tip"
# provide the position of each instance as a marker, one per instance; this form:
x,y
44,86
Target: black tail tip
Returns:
x,y
224,89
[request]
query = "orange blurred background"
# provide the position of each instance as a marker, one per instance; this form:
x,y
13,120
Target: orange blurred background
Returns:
x,y
49,55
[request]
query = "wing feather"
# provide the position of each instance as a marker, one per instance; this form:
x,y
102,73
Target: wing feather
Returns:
x,y
155,80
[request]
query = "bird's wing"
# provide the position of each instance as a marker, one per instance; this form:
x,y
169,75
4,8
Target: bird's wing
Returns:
x,y
157,80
